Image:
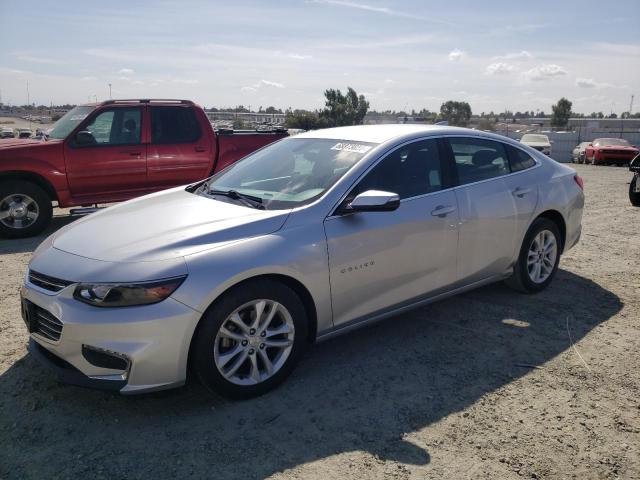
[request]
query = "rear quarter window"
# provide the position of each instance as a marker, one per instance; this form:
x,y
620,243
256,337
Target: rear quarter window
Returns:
x,y
171,125
519,159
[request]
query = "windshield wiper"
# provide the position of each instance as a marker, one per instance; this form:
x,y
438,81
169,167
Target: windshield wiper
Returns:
x,y
248,200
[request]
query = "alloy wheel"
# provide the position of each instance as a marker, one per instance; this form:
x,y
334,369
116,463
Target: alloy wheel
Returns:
x,y
18,211
254,342
542,255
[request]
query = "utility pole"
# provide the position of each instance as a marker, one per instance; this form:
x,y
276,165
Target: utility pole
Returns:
x,y
110,97
630,104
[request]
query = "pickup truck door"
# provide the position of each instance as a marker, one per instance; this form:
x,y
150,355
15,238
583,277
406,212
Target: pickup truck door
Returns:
x,y
111,160
180,150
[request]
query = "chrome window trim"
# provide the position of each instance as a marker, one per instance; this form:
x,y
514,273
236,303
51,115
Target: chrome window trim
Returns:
x,y
383,155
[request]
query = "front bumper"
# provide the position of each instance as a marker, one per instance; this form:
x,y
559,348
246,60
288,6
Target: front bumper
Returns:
x,y
153,339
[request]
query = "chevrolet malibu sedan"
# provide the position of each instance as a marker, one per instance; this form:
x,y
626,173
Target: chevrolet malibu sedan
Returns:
x,y
234,277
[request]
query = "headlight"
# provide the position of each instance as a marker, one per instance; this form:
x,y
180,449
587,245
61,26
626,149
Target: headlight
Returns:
x,y
126,295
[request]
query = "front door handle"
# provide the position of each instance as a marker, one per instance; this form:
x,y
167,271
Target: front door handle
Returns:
x,y
200,149
521,192
443,210
133,154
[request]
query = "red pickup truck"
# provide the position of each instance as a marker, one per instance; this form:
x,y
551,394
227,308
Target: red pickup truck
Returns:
x,y
109,152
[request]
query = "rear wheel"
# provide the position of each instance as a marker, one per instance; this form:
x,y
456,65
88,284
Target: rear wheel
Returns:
x,y
250,340
539,256
634,191
25,209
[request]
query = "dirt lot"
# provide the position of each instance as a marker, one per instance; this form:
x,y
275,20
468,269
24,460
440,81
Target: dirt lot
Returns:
x,y
447,391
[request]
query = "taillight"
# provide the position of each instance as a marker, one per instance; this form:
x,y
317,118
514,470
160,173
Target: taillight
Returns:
x,y
579,181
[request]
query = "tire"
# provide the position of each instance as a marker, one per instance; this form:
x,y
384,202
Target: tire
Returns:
x,y
522,279
214,346
634,197
25,209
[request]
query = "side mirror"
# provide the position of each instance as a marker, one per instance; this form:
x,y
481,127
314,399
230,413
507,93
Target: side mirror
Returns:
x,y
552,142
372,201
84,137
590,145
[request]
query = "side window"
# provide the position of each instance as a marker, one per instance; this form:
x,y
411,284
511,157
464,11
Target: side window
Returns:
x,y
519,159
409,171
174,125
478,159
115,127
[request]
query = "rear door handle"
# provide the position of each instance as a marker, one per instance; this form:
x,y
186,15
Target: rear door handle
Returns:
x,y
200,149
521,192
443,210
133,154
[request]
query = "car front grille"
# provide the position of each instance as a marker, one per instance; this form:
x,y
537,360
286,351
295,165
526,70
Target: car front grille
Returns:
x,y
46,282
539,148
43,323
617,152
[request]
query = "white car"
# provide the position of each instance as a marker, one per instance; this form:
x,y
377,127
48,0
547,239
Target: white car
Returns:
x,y
538,141
7,132
305,239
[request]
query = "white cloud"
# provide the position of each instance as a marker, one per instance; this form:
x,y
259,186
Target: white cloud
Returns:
x,y
545,72
124,78
586,83
125,71
456,55
87,79
499,68
522,55
261,84
382,10
297,56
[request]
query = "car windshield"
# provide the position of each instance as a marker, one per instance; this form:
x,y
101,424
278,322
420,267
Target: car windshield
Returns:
x,y
69,121
289,173
535,138
618,142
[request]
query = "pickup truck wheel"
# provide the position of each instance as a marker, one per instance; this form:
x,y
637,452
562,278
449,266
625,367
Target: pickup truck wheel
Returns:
x,y
634,191
25,209
250,339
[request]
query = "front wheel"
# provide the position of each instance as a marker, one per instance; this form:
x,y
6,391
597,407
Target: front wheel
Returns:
x,y
250,340
538,259
25,209
634,191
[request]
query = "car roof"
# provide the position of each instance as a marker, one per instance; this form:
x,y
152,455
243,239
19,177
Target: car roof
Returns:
x,y
388,132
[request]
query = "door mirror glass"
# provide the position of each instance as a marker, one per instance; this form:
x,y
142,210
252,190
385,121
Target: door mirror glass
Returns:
x,y
373,201
84,137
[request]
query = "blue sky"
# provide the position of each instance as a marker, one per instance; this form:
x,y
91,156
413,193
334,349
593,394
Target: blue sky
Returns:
x,y
495,55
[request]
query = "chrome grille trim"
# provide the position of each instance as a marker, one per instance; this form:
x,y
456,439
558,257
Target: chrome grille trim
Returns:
x,y
46,282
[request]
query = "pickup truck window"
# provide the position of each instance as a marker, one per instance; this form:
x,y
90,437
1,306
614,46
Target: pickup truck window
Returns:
x,y
119,126
170,125
289,173
69,121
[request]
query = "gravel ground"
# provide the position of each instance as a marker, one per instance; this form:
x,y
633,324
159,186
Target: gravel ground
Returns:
x,y
490,384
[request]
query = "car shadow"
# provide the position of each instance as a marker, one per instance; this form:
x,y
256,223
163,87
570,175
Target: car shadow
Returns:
x,y
26,245
366,391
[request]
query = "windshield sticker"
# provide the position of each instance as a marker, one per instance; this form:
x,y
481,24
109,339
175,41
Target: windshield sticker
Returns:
x,y
351,147
77,118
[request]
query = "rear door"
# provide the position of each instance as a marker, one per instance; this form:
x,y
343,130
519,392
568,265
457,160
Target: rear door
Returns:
x,y
488,210
114,161
179,152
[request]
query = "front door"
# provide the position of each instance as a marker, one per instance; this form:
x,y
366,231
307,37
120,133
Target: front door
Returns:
x,y
382,259
111,158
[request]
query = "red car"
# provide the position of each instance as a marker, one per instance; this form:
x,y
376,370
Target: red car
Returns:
x,y
610,150
113,151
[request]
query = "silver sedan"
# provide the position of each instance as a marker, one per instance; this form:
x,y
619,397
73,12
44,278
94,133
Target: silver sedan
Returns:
x,y
310,237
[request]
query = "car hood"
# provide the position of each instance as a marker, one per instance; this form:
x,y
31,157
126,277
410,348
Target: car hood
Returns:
x,y
6,143
164,225
617,147
536,144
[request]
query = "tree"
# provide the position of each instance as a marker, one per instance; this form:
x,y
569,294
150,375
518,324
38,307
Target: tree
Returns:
x,y
456,113
272,110
561,113
305,120
340,110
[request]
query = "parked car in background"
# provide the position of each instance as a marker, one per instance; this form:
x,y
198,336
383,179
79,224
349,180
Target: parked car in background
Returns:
x,y
538,141
111,152
308,238
634,186
617,151
7,132
25,133
577,154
